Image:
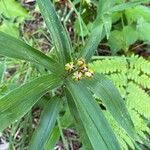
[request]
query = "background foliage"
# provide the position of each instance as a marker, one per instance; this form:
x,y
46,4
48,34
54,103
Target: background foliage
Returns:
x,y
131,77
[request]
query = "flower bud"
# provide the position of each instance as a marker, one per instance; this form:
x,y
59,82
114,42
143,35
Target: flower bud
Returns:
x,y
80,62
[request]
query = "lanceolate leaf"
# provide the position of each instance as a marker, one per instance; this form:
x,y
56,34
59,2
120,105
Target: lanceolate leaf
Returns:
x,y
103,21
17,103
92,43
94,122
66,121
47,123
109,95
74,111
12,47
127,5
58,33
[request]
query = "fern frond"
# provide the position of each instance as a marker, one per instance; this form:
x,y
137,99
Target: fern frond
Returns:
x,y
138,99
108,66
140,63
120,79
132,77
136,76
120,133
139,124
123,138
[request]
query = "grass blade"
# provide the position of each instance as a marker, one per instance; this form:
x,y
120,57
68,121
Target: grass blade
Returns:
x,y
47,123
95,124
12,47
18,102
59,35
106,91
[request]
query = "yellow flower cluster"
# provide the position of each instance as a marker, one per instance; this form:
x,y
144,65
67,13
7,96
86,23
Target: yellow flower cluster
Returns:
x,y
79,69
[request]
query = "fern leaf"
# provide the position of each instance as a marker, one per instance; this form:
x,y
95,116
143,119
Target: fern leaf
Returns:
x,y
132,78
138,99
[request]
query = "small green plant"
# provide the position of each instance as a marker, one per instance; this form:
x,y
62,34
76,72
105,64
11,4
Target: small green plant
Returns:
x,y
11,15
67,84
131,77
130,26
123,27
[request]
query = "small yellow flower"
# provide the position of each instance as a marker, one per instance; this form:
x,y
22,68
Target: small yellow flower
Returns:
x,y
77,75
89,73
81,62
69,66
84,68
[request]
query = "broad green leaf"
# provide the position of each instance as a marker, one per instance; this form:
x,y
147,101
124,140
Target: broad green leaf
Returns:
x,y
127,5
122,39
92,43
144,31
94,122
18,102
46,125
130,35
106,91
116,41
59,35
133,14
11,8
12,47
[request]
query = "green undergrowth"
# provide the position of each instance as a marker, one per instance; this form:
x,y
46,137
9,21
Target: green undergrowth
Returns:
x,y
132,78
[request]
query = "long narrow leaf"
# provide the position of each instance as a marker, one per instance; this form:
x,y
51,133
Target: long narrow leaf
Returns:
x,y
17,103
66,121
95,124
98,29
47,123
127,5
104,88
92,43
58,33
74,111
12,47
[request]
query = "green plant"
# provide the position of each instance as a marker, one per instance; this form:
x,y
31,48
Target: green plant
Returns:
x,y
126,24
133,27
62,85
11,15
131,77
